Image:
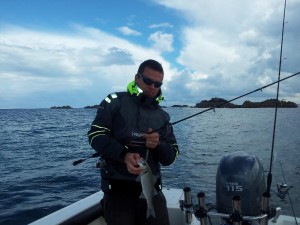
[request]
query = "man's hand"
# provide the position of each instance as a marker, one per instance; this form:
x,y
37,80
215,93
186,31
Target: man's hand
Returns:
x,y
131,160
152,139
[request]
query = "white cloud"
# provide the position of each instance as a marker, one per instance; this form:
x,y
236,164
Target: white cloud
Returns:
x,y
161,25
226,49
128,31
237,44
86,61
162,42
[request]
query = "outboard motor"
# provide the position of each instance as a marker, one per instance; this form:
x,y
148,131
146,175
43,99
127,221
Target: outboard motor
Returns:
x,y
240,174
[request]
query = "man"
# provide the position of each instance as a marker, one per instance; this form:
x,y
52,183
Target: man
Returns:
x,y
129,126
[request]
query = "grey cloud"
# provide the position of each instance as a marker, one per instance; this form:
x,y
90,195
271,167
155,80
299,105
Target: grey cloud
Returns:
x,y
116,56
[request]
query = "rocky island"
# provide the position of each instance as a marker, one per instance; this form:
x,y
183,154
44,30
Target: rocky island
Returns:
x,y
92,107
61,107
222,103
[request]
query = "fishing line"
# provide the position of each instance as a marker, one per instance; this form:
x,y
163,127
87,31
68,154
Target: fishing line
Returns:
x,y
289,194
241,96
201,112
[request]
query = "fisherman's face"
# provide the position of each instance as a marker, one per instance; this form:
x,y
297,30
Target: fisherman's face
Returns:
x,y
149,81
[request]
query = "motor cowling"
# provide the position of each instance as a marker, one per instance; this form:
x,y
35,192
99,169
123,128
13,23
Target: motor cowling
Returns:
x,y
240,174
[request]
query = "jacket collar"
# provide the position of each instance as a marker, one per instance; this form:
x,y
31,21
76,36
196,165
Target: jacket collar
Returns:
x,y
133,89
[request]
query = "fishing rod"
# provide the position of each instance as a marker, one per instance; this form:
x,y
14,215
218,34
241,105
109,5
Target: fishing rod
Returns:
x,y
267,195
201,112
241,96
269,179
76,162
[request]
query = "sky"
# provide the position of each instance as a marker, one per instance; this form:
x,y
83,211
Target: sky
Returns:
x,y
71,52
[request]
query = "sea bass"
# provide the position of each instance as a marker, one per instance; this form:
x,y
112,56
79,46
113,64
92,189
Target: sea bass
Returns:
x,y
147,181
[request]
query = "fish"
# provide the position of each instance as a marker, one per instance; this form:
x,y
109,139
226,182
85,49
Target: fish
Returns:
x,y
148,191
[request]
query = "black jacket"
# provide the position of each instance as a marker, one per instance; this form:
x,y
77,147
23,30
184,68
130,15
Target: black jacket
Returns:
x,y
117,128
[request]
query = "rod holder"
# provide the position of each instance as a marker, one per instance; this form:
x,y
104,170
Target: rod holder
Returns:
x,y
201,212
265,207
188,205
236,211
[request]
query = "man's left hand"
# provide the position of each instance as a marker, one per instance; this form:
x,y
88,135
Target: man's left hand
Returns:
x,y
152,139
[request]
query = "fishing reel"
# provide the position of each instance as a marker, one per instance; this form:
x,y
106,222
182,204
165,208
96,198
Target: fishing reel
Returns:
x,y
282,190
234,218
101,164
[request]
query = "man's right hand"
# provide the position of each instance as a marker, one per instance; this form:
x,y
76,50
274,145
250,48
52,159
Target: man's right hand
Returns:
x,y
131,160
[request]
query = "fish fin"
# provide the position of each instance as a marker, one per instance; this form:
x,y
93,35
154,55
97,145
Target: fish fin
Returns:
x,y
142,195
150,212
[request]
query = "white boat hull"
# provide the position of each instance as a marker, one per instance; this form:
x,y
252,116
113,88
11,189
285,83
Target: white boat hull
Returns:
x,y
86,211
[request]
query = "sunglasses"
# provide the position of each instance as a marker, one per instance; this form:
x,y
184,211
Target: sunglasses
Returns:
x,y
149,81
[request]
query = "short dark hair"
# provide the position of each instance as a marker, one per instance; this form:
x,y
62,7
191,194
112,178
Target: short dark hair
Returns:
x,y
151,64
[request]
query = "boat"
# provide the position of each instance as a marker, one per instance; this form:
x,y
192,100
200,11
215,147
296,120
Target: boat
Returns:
x,y
88,212
240,184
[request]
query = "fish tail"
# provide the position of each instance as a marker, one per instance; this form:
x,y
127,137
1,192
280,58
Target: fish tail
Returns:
x,y
151,212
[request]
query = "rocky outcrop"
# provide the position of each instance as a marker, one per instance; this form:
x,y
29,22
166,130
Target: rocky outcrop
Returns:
x,y
222,103
61,107
180,106
216,103
92,107
270,103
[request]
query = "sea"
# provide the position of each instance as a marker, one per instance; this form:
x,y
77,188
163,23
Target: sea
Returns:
x,y
38,147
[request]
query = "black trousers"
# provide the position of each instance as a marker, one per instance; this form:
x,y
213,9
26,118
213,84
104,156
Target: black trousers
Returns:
x,y
131,210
